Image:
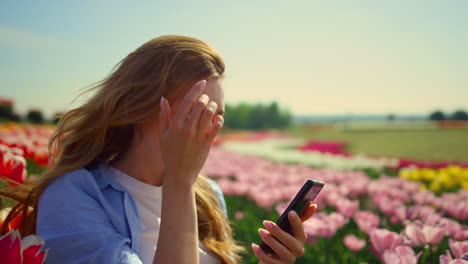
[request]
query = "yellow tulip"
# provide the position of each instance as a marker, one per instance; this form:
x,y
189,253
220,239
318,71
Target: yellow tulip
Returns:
x,y
435,186
454,170
405,174
464,184
428,174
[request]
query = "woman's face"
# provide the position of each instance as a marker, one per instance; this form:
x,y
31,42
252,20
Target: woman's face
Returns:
x,y
215,91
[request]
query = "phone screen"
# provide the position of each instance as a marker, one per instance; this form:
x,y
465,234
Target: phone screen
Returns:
x,y
307,193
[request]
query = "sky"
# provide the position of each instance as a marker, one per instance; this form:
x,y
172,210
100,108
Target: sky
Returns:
x,y
312,57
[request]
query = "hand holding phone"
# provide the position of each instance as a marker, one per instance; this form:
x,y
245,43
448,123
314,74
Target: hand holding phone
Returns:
x,y
299,204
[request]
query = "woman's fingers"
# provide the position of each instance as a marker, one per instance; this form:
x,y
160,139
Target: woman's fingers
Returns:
x,y
288,240
281,251
263,257
309,212
187,103
297,227
207,118
164,115
198,109
215,128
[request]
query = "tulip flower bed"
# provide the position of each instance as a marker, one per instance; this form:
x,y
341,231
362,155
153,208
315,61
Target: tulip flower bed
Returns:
x,y
29,142
359,220
19,144
284,151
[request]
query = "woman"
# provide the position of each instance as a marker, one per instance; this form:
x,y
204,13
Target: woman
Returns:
x,y
149,124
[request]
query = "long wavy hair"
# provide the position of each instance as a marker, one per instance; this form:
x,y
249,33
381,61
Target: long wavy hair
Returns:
x,y
102,128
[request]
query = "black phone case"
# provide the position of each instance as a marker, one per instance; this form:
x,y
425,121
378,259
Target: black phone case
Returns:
x,y
298,205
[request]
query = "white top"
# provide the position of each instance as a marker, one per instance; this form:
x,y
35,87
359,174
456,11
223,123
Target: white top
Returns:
x,y
148,199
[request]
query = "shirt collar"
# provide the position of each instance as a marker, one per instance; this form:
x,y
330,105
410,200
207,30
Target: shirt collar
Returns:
x,y
105,179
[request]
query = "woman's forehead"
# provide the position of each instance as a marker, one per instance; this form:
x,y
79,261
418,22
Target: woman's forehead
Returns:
x,y
214,90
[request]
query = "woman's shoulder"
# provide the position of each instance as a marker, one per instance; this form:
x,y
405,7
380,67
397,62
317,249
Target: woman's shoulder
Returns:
x,y
79,220
81,194
74,183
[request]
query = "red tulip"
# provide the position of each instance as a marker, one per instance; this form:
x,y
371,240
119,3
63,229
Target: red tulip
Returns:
x,y
26,251
17,165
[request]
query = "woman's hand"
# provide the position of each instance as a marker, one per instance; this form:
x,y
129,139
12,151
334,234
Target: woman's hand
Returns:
x,y
186,139
287,247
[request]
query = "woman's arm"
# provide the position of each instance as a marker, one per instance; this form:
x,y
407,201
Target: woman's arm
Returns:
x,y
179,231
185,142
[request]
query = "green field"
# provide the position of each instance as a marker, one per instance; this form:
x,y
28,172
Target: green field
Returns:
x,y
440,144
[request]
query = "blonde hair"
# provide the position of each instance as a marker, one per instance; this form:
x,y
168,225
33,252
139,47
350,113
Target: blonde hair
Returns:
x,y
102,128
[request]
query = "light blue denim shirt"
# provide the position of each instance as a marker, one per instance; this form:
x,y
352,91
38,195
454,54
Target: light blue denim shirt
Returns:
x,y
85,216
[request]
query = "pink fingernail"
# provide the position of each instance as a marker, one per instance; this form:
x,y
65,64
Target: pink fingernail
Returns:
x,y
263,232
268,225
166,102
255,247
202,83
161,102
292,213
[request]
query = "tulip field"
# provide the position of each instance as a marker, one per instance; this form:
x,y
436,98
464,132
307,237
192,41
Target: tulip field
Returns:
x,y
373,208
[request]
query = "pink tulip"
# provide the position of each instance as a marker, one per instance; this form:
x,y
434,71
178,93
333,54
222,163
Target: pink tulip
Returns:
x,y
458,210
383,239
347,207
458,248
13,250
366,221
424,197
386,205
447,259
420,234
323,225
315,227
454,229
400,255
333,198
239,215
353,243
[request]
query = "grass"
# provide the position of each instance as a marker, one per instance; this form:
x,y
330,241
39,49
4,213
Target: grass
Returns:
x,y
428,145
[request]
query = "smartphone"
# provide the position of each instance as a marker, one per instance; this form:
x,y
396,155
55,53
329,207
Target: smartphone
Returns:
x,y
307,193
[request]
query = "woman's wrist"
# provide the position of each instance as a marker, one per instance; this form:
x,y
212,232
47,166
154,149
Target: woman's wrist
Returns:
x,y
178,183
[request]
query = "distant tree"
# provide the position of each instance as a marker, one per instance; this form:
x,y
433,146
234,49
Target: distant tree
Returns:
x,y
258,116
459,115
15,117
391,117
35,116
56,117
437,116
6,108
